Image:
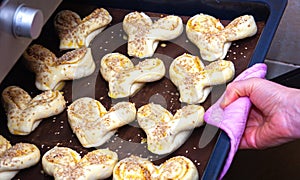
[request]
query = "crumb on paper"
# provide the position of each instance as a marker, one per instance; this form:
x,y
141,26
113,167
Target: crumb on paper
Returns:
x,y
163,45
143,140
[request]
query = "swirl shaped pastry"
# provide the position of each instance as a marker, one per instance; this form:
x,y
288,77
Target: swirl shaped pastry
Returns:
x,y
176,168
93,124
144,35
124,78
165,132
17,157
24,113
133,167
65,163
194,80
52,71
76,33
213,39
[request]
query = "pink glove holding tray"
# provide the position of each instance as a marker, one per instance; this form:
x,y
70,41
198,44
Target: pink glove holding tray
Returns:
x,y
233,118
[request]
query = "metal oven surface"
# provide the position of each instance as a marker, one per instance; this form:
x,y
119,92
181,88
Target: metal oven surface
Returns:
x,y
128,140
12,46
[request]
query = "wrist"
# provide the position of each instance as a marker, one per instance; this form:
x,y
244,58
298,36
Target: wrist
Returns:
x,y
293,112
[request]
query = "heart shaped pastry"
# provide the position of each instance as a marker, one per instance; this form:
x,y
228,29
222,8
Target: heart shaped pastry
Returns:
x,y
93,125
133,167
76,33
65,163
212,39
194,80
52,71
125,78
24,113
144,35
17,157
165,132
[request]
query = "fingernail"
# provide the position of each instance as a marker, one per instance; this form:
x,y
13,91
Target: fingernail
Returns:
x,y
223,103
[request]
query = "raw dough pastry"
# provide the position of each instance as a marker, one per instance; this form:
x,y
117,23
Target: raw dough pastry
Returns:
x,y
17,157
52,71
133,167
65,163
194,80
24,113
212,39
144,35
93,125
124,78
165,132
76,33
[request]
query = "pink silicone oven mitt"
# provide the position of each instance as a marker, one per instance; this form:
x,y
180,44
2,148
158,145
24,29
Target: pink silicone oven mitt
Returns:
x,y
233,118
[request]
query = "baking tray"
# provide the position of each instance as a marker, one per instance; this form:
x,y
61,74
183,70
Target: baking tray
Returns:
x,y
55,130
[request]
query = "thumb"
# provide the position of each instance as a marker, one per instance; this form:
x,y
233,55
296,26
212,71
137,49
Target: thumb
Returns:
x,y
237,89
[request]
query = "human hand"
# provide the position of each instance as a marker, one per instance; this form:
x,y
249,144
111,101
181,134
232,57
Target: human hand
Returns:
x,y
274,116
